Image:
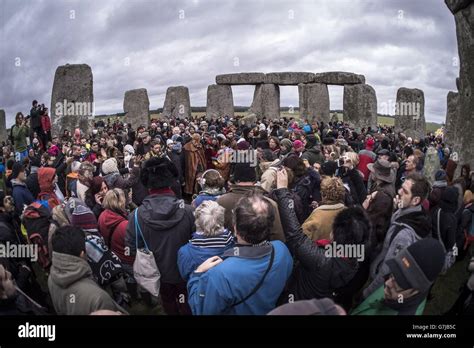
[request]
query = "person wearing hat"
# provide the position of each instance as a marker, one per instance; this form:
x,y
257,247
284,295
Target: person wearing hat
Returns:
x,y
382,177
245,179
298,147
410,276
439,185
167,224
20,193
312,152
366,156
409,223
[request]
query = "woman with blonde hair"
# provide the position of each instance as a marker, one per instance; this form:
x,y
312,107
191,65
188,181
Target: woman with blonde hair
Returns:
x,y
113,223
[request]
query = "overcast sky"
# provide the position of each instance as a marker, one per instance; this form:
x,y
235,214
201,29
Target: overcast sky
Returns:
x,y
155,44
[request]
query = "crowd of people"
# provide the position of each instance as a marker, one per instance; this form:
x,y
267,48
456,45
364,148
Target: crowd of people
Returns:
x,y
282,216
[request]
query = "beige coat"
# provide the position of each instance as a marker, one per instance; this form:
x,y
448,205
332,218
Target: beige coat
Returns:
x,y
319,224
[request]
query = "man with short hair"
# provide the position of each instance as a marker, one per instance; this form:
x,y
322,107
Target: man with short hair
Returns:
x,y
409,224
21,195
409,167
250,277
70,283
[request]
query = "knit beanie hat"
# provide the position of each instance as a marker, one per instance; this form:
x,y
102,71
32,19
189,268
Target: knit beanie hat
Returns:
x,y
80,215
412,268
109,166
243,172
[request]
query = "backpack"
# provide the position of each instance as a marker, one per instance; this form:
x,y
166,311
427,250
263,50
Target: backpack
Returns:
x,y
36,220
450,257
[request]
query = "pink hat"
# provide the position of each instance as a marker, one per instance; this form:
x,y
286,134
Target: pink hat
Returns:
x,y
370,143
298,144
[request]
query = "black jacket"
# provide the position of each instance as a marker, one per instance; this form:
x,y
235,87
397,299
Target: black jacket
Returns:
x,y
167,224
316,275
355,181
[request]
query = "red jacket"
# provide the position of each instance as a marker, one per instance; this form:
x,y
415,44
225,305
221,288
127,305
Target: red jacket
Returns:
x,y
112,222
366,157
45,123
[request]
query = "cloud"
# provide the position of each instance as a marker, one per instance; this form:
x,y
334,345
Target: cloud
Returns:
x,y
156,44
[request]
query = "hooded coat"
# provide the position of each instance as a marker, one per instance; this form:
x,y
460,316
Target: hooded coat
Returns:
x,y
167,224
72,275
407,226
448,224
45,179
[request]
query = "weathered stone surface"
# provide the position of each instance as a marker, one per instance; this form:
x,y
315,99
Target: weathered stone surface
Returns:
x,y
452,119
339,78
314,102
3,126
458,83
250,120
360,105
431,164
410,112
252,78
177,103
266,101
289,78
457,5
72,99
220,101
464,17
136,106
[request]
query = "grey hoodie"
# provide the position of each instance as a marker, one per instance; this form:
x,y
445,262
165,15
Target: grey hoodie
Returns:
x,y
72,289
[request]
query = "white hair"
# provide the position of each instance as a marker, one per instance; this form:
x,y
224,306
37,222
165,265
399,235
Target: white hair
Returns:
x,y
210,218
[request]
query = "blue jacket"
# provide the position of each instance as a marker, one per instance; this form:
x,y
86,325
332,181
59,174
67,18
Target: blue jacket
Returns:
x,y
21,196
199,249
215,291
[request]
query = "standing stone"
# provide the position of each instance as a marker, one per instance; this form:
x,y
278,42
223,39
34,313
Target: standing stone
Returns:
x,y
463,11
266,101
410,112
314,102
136,106
3,126
177,102
360,106
431,164
220,101
72,100
452,119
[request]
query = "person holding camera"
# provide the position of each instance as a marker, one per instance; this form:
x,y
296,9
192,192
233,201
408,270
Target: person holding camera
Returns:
x,y
19,133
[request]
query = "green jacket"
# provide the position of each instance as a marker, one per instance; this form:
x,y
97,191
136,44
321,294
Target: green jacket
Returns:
x,y
72,289
375,304
19,135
